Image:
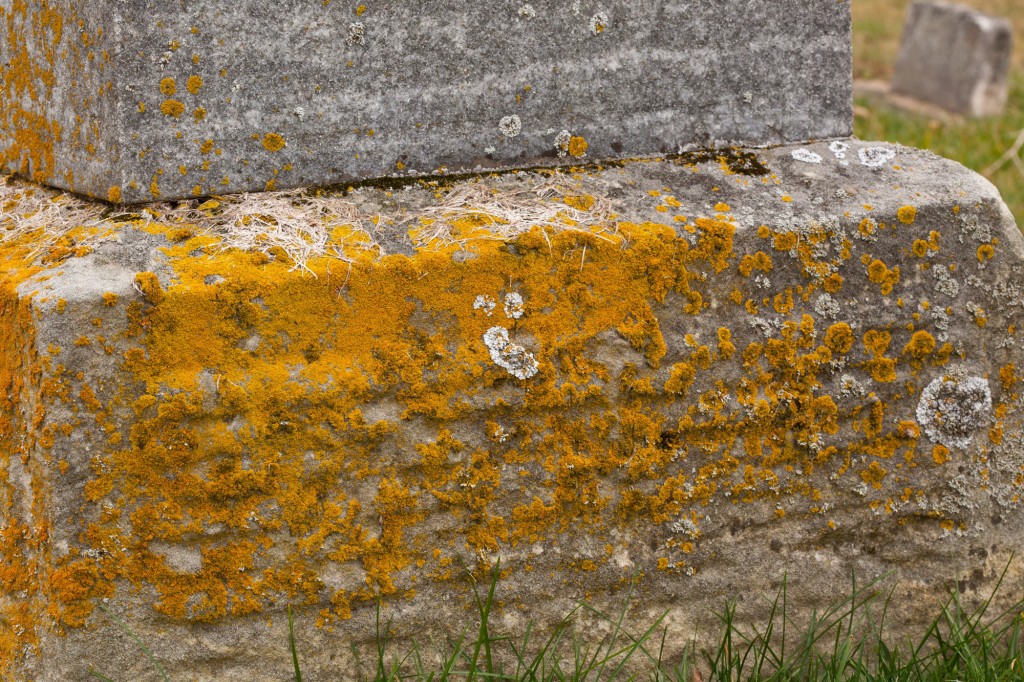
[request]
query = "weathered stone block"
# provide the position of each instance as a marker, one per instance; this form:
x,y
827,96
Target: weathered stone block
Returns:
x,y
137,100
806,360
955,57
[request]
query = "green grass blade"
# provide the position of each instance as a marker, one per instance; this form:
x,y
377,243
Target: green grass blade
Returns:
x,y
292,645
483,640
138,642
100,677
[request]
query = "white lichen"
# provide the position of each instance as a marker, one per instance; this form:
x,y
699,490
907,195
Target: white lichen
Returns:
x,y
875,157
945,283
838,149
514,306
826,306
510,126
515,359
952,409
849,387
527,11
356,34
806,155
485,303
562,141
940,320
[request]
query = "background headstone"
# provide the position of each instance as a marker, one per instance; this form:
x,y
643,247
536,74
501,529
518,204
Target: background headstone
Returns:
x,y
955,57
140,100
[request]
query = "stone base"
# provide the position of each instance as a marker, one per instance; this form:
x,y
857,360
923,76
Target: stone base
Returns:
x,y
804,360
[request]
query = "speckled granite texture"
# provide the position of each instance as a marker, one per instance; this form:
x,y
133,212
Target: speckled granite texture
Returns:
x,y
136,100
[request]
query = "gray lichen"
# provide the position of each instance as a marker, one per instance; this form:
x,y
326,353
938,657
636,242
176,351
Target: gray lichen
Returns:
x,y
515,359
952,409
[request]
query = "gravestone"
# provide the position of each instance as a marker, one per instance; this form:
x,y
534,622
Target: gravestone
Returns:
x,y
141,100
805,359
664,370
955,57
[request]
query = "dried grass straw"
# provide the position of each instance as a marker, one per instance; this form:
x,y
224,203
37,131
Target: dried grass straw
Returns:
x,y
305,224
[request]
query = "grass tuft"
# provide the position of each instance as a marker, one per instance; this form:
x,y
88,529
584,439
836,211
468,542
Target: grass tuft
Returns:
x,y
849,641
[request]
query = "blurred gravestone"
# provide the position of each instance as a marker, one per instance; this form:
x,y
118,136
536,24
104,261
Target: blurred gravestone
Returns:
x,y
955,57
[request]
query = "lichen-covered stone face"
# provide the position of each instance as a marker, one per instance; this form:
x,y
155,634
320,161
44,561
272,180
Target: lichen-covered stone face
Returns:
x,y
805,359
144,100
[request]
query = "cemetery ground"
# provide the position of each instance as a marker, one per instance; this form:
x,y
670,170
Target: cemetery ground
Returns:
x,y
985,145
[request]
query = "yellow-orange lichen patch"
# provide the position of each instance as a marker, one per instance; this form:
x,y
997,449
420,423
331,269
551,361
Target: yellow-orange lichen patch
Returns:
x,y
578,146
907,215
169,86
273,142
881,368
756,261
194,84
839,338
172,107
583,203
921,345
149,285
881,275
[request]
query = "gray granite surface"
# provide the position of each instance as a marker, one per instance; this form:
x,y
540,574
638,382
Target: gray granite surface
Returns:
x,y
136,100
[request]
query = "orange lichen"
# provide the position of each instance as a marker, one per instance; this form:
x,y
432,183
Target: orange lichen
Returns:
x,y
194,84
985,252
883,276
172,107
907,215
756,261
273,142
584,203
578,146
867,227
833,284
149,285
881,368
839,338
169,86
921,344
